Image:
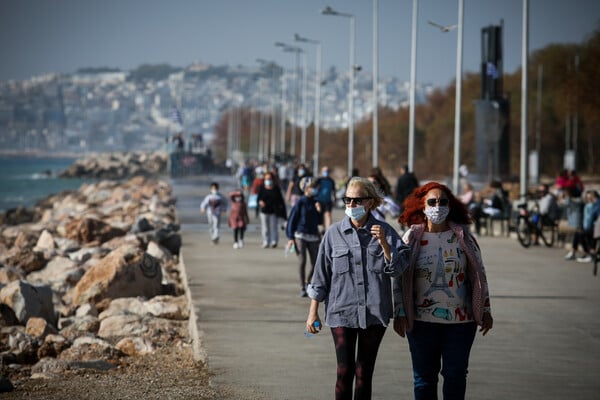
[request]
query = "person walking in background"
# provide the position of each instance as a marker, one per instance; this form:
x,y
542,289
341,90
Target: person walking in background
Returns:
x,y
213,205
326,195
406,183
356,259
585,236
302,230
272,207
573,209
383,182
443,296
388,205
294,192
238,217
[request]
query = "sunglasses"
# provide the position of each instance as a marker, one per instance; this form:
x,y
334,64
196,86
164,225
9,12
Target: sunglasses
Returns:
x,y
441,202
356,200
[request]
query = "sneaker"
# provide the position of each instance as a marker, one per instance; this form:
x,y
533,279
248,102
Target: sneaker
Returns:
x,y
236,245
303,293
265,245
240,244
585,259
570,256
273,245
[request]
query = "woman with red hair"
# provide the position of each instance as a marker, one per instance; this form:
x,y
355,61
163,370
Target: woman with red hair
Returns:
x,y
443,295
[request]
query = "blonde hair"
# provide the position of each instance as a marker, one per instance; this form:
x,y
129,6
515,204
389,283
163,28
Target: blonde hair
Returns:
x,y
367,186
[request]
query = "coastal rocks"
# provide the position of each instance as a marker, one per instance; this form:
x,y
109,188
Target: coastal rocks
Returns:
x,y
125,272
28,301
94,278
88,230
118,165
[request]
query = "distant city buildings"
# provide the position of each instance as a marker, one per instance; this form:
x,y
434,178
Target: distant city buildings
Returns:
x,y
115,111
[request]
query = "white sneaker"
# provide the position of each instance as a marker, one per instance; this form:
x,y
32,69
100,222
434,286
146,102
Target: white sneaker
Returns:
x,y
240,244
570,256
265,245
236,245
585,259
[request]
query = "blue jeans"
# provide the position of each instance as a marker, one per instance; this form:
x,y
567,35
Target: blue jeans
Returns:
x,y
448,346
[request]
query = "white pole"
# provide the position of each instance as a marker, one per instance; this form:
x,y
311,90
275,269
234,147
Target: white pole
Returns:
x,y
283,113
524,67
351,100
317,109
375,82
304,85
413,70
457,133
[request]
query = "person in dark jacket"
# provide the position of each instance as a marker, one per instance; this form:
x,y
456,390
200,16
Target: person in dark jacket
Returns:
x,y
272,207
407,182
302,229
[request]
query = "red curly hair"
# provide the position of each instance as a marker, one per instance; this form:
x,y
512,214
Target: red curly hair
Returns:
x,y
415,203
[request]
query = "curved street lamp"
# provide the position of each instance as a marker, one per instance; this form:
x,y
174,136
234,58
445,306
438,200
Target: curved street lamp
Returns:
x,y
330,11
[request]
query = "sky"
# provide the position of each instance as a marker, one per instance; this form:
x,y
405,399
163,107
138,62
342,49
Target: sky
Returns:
x,y
61,36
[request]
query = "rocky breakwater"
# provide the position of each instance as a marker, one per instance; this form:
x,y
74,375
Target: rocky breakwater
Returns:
x,y
95,279
118,165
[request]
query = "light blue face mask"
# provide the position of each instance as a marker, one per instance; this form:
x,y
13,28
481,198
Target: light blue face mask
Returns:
x,y
268,182
314,191
356,213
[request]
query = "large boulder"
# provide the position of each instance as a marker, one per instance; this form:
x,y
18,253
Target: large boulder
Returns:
x,y
88,230
125,272
28,301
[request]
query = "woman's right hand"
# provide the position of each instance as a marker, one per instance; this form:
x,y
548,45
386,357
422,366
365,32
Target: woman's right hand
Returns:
x,y
310,324
400,325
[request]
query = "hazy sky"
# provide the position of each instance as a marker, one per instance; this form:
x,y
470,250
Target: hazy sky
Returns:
x,y
39,36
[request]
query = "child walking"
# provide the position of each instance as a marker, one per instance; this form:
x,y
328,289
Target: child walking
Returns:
x,y
213,205
238,217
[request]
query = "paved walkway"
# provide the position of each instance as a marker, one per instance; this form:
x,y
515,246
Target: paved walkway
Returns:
x,y
545,343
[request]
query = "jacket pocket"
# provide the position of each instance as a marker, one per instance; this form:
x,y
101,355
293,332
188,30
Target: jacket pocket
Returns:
x,y
340,260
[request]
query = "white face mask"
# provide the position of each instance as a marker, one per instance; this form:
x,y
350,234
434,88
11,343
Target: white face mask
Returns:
x,y
437,215
356,213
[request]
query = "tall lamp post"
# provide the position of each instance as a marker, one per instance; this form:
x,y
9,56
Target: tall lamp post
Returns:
x,y
375,82
524,76
413,70
329,11
299,38
457,133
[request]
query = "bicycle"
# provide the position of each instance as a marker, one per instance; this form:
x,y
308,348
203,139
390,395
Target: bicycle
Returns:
x,y
530,222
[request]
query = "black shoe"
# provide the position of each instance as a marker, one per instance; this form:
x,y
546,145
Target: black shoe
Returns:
x,y
303,293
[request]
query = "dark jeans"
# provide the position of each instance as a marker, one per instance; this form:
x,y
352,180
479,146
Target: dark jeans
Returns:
x,y
446,346
313,249
238,233
351,362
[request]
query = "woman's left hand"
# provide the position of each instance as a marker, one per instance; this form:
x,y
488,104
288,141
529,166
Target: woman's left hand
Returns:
x,y
378,233
486,323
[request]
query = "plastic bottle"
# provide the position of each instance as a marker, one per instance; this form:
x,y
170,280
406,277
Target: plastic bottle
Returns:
x,y
308,334
289,249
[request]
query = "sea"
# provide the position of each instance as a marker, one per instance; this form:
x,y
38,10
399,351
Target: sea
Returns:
x,y
25,180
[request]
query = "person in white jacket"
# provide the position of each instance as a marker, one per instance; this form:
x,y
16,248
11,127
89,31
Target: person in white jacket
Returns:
x,y
213,205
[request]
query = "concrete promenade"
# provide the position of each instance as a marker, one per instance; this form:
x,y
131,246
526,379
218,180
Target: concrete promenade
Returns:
x,y
250,320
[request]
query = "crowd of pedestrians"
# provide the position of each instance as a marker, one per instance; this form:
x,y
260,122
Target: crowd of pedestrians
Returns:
x,y
427,277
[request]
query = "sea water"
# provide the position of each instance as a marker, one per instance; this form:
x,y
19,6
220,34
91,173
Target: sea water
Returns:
x,y
24,180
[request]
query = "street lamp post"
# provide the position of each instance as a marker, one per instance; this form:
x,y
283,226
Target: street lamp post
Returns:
x,y
299,38
457,133
329,11
413,69
375,83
